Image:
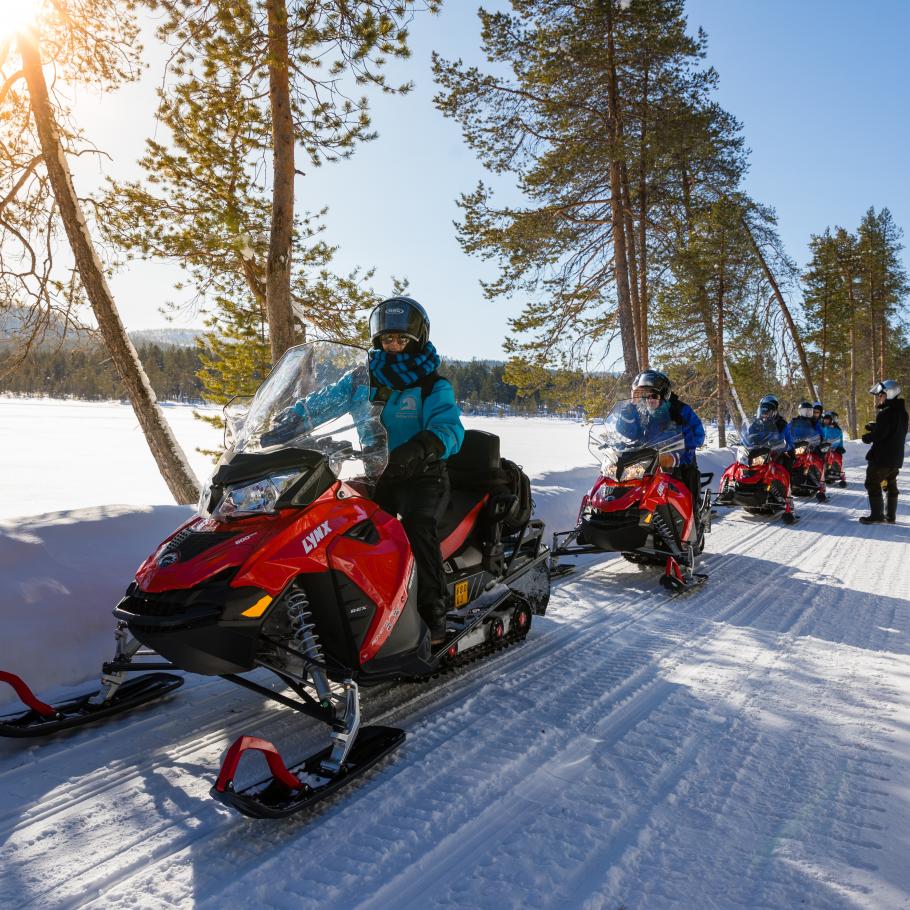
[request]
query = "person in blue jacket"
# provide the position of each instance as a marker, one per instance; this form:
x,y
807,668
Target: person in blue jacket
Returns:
x,y
423,425
805,426
831,432
652,389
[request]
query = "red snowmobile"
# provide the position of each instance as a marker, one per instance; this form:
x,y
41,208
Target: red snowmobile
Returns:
x,y
834,468
636,507
807,476
291,567
757,481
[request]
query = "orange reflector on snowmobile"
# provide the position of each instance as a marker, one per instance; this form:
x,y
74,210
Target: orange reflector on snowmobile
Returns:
x,y
258,608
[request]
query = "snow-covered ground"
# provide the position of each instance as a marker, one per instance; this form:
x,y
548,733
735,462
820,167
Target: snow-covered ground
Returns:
x,y
743,746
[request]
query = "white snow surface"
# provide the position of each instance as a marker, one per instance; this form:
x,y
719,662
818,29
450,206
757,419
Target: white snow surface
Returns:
x,y
746,745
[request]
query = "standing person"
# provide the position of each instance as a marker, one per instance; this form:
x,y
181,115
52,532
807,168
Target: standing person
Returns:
x,y
653,387
886,457
423,425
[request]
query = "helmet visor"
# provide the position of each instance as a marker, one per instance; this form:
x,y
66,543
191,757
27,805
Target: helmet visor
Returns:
x,y
400,318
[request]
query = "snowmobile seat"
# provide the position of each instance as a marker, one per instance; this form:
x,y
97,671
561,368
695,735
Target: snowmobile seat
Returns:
x,y
464,511
478,468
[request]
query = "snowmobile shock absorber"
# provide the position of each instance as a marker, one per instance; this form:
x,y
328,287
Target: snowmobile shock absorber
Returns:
x,y
307,642
345,731
126,648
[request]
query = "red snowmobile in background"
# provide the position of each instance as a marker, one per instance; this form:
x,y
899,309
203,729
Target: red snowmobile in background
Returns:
x,y
834,467
757,481
636,507
807,475
291,567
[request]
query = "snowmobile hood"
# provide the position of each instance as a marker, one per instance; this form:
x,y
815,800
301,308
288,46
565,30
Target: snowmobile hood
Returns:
x,y
262,549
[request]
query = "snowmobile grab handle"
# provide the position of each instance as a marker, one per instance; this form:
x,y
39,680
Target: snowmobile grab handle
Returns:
x,y
276,764
26,696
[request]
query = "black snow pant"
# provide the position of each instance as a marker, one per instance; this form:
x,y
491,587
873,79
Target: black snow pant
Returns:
x,y
420,502
877,480
691,477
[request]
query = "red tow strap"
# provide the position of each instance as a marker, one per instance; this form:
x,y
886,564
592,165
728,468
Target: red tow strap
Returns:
x,y
276,765
26,696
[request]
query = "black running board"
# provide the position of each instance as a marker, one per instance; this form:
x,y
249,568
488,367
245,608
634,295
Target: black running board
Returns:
x,y
278,797
79,711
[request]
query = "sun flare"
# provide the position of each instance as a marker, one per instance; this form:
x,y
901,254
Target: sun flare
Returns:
x,y
16,15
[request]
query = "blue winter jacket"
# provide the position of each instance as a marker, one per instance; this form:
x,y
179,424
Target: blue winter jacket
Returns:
x,y
834,435
678,414
800,428
404,414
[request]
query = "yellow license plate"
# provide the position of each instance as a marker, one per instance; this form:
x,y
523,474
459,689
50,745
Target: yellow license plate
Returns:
x,y
461,593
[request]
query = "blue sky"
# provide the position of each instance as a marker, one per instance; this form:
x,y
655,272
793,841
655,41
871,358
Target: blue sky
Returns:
x,y
820,87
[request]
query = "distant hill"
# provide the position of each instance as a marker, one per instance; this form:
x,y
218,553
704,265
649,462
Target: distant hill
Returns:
x,y
178,338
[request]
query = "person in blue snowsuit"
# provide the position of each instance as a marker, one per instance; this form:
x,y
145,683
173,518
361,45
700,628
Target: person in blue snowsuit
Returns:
x,y
652,388
804,425
423,425
831,432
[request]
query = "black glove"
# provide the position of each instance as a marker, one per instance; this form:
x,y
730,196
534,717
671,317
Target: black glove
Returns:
x,y
414,456
867,438
841,450
871,425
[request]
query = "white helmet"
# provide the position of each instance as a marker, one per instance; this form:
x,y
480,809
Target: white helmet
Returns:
x,y
889,387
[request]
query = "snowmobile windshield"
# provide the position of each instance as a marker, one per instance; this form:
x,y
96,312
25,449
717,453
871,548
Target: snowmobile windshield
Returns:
x,y
758,434
633,426
317,398
804,433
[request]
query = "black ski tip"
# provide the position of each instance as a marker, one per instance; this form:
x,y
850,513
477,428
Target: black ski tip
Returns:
x,y
77,712
561,571
270,798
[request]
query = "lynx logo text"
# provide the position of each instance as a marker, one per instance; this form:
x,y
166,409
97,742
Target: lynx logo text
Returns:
x,y
311,541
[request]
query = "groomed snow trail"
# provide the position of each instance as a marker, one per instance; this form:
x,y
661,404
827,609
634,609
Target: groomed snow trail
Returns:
x,y
742,746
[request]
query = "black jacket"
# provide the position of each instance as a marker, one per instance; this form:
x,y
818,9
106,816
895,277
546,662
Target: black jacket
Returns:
x,y
888,435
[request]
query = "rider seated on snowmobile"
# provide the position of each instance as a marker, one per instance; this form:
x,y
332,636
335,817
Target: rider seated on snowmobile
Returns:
x,y
769,413
424,428
805,426
652,388
832,433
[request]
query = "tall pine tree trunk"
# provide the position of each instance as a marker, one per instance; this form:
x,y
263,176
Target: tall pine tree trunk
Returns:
x,y
719,359
278,268
631,255
168,455
617,159
854,420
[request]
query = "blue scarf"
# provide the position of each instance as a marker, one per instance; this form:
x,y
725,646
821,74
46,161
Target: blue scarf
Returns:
x,y
402,371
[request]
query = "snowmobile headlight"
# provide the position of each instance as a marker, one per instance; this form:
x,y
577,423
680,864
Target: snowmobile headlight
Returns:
x,y
608,466
634,471
254,498
801,450
758,460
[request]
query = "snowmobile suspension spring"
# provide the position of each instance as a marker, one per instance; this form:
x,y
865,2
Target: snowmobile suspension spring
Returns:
x,y
304,631
300,617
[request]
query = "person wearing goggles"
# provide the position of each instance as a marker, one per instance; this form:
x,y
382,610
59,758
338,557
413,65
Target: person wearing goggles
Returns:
x,y
886,435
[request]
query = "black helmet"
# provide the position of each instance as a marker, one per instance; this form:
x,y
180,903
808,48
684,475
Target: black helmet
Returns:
x,y
829,415
768,405
818,406
805,409
403,315
653,379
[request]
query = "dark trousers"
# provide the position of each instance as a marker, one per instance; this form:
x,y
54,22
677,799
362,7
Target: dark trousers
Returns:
x,y
420,503
691,477
877,479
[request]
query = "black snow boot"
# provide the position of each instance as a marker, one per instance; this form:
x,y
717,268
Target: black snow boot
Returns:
x,y
876,506
891,508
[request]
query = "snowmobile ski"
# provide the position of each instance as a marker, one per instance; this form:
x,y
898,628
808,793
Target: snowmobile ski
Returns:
x,y
42,719
287,792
